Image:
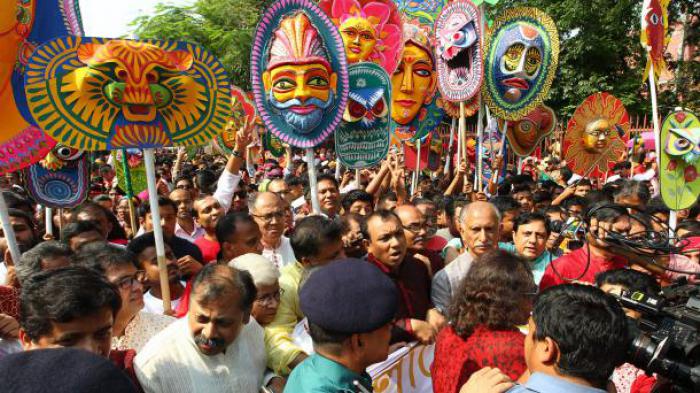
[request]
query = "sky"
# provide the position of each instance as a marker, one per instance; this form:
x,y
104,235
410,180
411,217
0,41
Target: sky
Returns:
x,y
110,19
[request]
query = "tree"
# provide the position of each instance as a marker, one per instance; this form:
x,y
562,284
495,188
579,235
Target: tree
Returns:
x,y
225,27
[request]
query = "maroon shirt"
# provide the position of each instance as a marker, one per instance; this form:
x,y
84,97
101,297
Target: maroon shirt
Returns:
x,y
457,358
413,281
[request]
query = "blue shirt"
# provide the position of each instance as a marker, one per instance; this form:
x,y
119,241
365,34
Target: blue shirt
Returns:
x,y
318,374
538,266
543,383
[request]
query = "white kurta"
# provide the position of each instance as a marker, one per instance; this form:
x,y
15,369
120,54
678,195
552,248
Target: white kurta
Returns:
x,y
171,363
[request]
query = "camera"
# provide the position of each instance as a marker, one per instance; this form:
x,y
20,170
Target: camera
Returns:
x,y
666,338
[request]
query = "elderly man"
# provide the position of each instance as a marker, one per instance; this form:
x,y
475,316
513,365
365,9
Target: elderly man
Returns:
x,y
386,246
316,241
531,231
268,210
216,348
416,232
348,335
480,230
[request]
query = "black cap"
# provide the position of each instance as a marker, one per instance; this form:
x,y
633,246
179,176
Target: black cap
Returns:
x,y
349,296
61,370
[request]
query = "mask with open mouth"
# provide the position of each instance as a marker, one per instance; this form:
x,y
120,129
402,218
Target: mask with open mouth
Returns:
x,y
459,64
521,60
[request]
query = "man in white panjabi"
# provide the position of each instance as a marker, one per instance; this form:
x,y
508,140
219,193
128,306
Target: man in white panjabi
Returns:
x,y
218,347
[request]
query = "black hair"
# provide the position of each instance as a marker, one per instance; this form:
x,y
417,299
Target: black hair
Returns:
x,y
226,226
62,295
452,205
293,181
633,280
505,203
14,200
102,256
692,226
387,196
655,206
518,188
541,196
582,320
78,228
140,243
634,188
329,339
145,207
327,177
526,218
384,215
573,201
605,212
30,262
206,181
312,233
185,178
86,207
423,201
214,280
584,182
354,196
17,213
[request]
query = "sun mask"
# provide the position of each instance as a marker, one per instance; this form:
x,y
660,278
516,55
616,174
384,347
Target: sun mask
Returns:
x,y
459,64
371,30
680,160
103,94
299,56
60,180
525,135
521,61
362,139
596,135
25,24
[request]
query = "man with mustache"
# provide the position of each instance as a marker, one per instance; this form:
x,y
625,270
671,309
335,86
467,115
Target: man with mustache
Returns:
x,y
480,230
299,79
217,347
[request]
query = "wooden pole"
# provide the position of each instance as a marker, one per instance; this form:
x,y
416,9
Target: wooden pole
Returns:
x,y
9,231
149,160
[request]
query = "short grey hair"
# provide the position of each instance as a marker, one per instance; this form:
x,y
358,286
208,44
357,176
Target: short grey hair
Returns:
x,y
473,205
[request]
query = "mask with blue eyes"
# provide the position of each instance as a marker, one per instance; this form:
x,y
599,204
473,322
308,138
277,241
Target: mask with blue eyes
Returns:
x,y
459,64
521,61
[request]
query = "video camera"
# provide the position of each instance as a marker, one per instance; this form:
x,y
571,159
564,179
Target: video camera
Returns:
x,y
666,339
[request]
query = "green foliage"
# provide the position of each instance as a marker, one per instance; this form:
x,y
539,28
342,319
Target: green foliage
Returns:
x,y
225,27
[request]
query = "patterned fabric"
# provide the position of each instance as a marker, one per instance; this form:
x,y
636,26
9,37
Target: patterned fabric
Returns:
x,y
141,329
456,358
9,301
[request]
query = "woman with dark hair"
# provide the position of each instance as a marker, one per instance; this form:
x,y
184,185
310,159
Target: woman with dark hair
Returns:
x,y
493,299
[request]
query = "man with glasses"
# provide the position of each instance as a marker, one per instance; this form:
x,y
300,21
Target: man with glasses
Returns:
x,y
415,228
132,327
268,210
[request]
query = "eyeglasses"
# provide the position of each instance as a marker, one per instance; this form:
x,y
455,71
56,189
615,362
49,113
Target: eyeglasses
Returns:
x,y
130,281
267,218
270,297
414,228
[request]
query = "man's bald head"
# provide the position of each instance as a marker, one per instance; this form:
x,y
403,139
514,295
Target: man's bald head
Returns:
x,y
262,199
406,211
480,227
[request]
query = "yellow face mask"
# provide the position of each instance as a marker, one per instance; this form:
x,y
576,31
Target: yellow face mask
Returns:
x,y
596,137
413,84
359,38
300,81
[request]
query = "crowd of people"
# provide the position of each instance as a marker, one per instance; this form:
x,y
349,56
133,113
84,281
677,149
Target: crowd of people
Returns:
x,y
513,284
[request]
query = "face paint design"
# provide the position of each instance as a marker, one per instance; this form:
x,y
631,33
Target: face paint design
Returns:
x,y
680,160
371,30
60,180
299,56
525,135
413,84
596,135
523,52
459,64
100,94
362,139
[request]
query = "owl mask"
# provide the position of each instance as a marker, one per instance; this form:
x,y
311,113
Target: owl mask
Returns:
x,y
60,180
363,136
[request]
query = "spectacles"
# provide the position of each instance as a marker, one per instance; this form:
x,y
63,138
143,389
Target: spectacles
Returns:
x,y
129,282
267,218
270,297
414,228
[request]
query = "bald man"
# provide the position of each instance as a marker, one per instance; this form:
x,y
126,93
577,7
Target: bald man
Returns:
x,y
415,229
480,230
269,211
